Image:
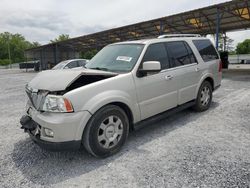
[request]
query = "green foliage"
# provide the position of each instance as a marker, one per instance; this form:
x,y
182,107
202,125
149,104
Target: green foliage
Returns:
x,y
61,37
88,54
243,47
35,44
4,61
15,44
225,43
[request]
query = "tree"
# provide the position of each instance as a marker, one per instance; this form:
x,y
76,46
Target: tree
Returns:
x,y
243,47
34,44
13,46
225,43
61,37
88,54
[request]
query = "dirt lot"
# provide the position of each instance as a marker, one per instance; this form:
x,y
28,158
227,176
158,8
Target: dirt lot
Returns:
x,y
209,149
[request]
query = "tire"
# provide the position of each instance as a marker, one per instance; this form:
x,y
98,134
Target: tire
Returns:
x,y
204,97
106,132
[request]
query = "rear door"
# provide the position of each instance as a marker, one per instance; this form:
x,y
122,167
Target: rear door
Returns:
x,y
183,62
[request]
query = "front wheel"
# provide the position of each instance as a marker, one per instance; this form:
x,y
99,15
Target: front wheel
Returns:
x,y
204,97
106,132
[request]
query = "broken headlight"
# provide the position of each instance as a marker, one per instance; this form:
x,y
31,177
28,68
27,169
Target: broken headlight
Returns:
x,y
55,103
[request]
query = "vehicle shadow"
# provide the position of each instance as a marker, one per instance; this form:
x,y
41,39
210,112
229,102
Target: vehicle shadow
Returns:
x,y
42,167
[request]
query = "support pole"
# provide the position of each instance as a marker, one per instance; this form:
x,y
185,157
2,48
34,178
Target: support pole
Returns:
x,y
225,41
161,28
9,52
40,61
217,28
55,54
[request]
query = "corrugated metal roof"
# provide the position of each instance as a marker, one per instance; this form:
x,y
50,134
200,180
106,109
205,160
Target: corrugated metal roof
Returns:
x,y
234,15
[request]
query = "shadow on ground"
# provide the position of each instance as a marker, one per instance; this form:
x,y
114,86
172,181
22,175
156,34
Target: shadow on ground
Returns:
x,y
46,168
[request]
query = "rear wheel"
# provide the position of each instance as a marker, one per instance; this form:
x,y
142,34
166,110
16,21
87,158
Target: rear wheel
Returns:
x,y
106,131
204,97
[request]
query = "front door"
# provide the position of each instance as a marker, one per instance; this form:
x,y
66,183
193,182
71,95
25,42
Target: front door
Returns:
x,y
157,92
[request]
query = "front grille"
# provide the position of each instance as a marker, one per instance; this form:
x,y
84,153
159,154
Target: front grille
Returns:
x,y
36,97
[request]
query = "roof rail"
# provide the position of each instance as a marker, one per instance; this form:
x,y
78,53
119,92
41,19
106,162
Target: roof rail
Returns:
x,y
178,35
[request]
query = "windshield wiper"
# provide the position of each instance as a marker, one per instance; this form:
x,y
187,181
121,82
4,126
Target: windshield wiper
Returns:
x,y
99,68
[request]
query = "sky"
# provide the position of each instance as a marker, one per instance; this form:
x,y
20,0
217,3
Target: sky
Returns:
x,y
46,19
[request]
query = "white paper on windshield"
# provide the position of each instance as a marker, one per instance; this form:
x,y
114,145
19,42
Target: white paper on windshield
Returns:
x,y
124,58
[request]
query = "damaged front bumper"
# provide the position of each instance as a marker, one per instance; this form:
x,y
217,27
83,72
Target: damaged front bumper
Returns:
x,y
67,128
31,127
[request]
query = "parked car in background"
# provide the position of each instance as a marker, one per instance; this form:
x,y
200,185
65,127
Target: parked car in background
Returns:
x,y
71,63
122,86
30,65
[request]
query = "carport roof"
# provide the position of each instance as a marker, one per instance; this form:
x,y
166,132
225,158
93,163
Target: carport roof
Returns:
x,y
232,15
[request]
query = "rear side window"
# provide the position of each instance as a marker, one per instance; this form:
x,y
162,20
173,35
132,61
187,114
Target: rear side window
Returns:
x,y
157,52
179,54
206,50
81,63
72,64
191,54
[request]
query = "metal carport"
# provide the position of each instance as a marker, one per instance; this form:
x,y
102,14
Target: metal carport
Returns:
x,y
215,19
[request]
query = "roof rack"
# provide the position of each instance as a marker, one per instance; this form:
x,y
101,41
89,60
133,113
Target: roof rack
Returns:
x,y
178,35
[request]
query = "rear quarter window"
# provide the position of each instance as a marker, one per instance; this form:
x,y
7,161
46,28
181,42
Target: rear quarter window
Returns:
x,y
206,50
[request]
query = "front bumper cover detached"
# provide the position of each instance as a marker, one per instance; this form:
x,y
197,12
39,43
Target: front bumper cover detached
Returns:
x,y
30,126
27,123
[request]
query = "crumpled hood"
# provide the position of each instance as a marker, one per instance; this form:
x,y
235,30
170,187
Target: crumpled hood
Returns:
x,y
58,80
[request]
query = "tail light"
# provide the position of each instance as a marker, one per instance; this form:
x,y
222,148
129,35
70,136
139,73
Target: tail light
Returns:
x,y
220,66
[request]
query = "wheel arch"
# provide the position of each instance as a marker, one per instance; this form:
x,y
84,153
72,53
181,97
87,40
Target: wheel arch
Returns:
x,y
207,77
125,107
210,80
128,112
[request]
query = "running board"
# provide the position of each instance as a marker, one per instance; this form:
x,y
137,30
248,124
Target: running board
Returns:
x,y
163,115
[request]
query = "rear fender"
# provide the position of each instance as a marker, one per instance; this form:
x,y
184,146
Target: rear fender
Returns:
x,y
202,80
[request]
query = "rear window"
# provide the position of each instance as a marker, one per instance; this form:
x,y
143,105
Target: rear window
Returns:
x,y
206,49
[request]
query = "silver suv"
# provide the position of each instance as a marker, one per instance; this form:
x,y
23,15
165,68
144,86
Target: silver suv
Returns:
x,y
125,85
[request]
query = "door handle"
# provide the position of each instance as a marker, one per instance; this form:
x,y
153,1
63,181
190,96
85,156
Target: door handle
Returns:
x,y
197,69
169,77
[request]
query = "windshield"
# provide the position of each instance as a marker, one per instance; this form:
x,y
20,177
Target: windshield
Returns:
x,y
60,65
116,58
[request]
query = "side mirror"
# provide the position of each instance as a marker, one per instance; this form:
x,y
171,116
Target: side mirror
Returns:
x,y
149,66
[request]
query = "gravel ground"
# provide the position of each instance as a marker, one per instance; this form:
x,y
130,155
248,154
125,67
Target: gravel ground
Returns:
x,y
209,149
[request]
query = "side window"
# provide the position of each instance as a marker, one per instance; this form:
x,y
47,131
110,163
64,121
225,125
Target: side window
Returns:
x,y
157,52
206,50
81,63
178,53
72,64
191,54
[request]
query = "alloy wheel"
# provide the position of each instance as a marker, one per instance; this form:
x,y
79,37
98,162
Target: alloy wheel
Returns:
x,y
205,96
110,132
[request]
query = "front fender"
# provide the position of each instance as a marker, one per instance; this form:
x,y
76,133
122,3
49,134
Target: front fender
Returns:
x,y
111,96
